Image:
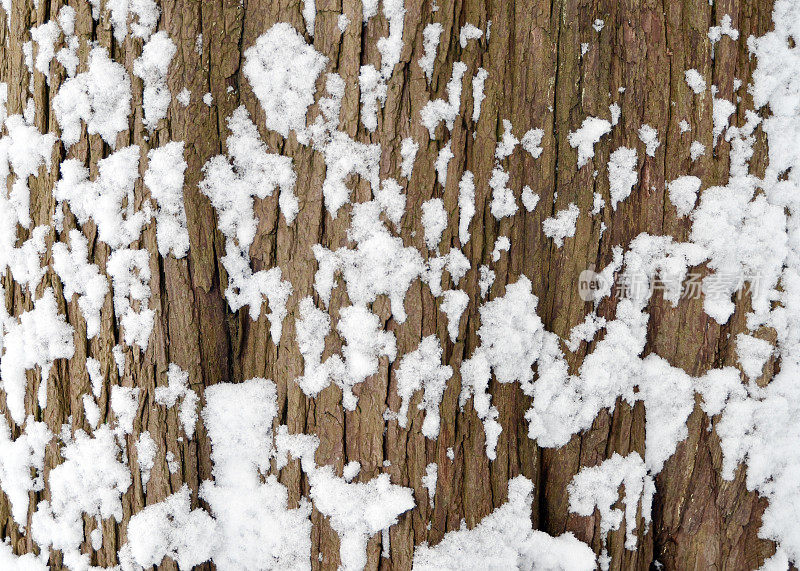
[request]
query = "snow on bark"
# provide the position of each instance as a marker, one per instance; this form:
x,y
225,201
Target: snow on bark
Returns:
x,y
505,539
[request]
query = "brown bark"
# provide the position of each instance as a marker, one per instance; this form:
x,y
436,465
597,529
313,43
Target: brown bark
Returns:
x,y
537,78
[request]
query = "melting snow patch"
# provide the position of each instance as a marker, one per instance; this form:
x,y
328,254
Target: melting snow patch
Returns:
x,y
178,388
649,136
599,487
283,70
722,111
697,150
506,145
430,43
408,153
503,202
529,198
22,466
440,110
103,199
683,193
434,221
442,160
164,178
453,305
532,142
505,539
421,369
82,278
502,244
695,80
130,274
255,528
170,528
100,96
584,139
90,482
622,175
715,33
379,264
752,354
469,32
357,511
429,480
478,84
38,338
466,205
562,225
152,67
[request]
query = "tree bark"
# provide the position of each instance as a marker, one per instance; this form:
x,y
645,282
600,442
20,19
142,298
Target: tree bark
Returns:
x,y
538,78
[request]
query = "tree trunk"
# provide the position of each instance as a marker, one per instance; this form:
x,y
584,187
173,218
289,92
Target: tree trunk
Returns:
x,y
538,77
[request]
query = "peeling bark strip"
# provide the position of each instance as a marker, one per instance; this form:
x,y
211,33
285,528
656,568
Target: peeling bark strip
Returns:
x,y
445,106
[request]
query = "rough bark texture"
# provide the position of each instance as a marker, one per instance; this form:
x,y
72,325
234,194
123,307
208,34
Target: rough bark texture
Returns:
x,y
537,78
